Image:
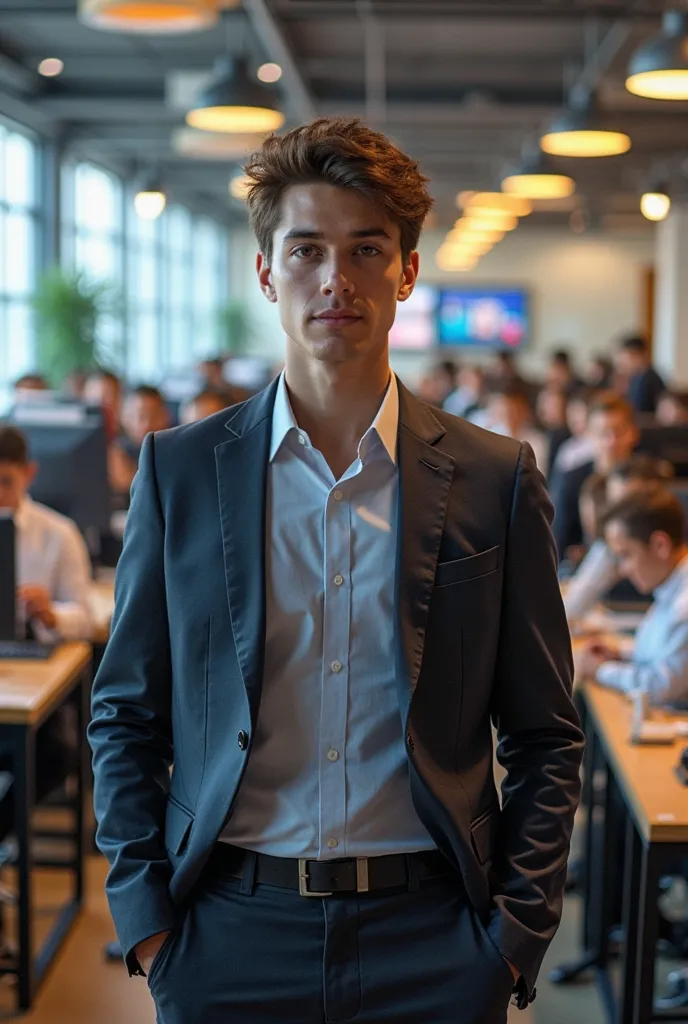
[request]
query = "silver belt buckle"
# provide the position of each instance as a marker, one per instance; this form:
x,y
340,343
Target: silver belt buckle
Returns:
x,y
362,884
303,881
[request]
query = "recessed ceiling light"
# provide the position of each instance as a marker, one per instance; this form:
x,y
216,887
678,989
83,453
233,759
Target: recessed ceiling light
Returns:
x,y
269,72
51,67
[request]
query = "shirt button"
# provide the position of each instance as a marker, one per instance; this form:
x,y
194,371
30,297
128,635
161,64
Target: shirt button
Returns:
x,y
332,755
302,439
242,740
336,666
332,843
338,580
337,495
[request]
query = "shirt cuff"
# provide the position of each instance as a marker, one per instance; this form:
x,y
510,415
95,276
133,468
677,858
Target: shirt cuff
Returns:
x,y
618,675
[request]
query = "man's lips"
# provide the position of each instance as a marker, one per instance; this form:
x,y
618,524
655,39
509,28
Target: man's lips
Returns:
x,y
336,317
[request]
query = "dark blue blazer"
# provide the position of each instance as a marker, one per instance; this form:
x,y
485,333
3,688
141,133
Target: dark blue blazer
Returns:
x,y
481,637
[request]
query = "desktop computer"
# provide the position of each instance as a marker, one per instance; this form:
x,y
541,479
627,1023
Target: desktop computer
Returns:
x,y
68,442
11,645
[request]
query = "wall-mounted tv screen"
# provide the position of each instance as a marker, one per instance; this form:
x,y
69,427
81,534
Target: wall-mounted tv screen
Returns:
x,y
491,318
415,326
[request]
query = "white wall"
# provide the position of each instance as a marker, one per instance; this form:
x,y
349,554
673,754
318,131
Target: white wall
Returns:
x,y
586,290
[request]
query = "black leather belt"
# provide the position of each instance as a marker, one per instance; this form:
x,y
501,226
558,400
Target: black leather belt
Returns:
x,y
337,877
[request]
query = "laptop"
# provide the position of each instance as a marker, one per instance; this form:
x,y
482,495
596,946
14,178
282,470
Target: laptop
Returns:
x,y
11,644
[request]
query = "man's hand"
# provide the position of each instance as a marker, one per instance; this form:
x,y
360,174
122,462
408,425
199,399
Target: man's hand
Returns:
x,y
147,950
593,656
38,604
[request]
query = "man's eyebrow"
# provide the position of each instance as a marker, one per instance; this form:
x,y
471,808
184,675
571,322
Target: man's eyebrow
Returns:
x,y
373,232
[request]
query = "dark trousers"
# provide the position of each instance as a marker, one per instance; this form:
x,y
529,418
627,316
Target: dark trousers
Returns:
x,y
268,954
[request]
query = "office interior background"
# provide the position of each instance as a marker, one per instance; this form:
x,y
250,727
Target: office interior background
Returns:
x,y
112,196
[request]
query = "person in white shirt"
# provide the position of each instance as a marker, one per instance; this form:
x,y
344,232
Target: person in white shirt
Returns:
x,y
598,572
646,534
510,414
53,566
578,449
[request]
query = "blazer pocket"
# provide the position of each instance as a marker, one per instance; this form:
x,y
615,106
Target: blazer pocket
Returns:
x,y
462,569
484,833
178,822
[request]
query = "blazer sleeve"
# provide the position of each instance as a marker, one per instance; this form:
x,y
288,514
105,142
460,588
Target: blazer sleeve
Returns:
x,y
131,731
540,741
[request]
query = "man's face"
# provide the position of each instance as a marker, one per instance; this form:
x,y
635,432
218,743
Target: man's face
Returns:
x,y
14,483
613,435
645,565
336,273
102,391
143,414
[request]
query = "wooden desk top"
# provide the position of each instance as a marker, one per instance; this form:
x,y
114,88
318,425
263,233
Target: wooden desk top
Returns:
x,y
30,689
644,772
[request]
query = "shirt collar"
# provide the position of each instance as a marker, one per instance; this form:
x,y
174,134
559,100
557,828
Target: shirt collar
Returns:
x,y
674,583
383,428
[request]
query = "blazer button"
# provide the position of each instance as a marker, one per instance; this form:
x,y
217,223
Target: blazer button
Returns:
x,y
242,739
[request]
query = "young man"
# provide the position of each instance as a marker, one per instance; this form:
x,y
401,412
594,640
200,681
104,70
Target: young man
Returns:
x,y
613,435
53,565
646,534
644,383
578,448
324,599
511,414
202,405
143,412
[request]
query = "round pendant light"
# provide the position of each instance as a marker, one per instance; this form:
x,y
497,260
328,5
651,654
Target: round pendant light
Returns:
x,y
150,199
239,185
655,206
493,203
149,17
235,102
539,186
576,132
659,67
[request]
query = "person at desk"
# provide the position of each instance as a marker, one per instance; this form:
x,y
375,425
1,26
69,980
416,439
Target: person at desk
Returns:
x,y
614,435
598,572
202,405
53,565
645,533
644,383
144,411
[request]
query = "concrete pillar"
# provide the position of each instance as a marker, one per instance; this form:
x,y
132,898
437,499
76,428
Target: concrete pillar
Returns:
x,y
671,296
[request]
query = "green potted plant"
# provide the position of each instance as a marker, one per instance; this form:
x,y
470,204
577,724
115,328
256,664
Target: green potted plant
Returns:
x,y
69,308
234,327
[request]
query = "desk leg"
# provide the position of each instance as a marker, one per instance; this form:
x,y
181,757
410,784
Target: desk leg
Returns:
x,y
648,927
24,758
630,921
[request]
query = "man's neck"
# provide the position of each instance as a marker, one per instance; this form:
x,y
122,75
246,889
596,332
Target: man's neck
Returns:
x,y
676,560
336,403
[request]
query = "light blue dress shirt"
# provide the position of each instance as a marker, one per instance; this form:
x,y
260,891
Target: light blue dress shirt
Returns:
x,y
660,656
328,772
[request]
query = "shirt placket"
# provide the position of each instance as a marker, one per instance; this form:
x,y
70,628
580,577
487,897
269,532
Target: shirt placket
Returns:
x,y
335,673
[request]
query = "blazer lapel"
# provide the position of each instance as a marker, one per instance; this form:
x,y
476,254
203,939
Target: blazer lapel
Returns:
x,y
241,465
425,476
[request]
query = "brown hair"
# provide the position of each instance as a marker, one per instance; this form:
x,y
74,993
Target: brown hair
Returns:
x,y
655,510
13,446
609,401
344,152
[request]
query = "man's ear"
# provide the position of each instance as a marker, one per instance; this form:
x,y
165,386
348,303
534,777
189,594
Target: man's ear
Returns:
x,y
31,470
265,278
410,276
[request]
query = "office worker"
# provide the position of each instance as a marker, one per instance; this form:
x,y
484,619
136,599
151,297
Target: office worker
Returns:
x,y
646,533
326,594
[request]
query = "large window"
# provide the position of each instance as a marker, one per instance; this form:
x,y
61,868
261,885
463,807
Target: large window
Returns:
x,y
171,273
18,252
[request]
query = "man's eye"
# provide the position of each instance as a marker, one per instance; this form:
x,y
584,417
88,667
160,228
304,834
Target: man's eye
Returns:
x,y
369,250
303,251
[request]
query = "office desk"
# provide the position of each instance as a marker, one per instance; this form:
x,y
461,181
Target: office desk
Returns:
x,y
655,808
29,692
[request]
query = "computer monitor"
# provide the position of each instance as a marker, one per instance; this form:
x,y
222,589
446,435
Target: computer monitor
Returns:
x,y
69,444
8,577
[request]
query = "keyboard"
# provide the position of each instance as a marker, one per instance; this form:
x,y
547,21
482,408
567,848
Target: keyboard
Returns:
x,y
20,649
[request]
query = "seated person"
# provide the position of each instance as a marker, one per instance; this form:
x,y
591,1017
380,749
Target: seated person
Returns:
x,y
204,404
30,382
671,410
510,414
598,573
551,413
53,565
644,383
560,372
577,449
599,373
211,373
144,411
469,396
646,536
614,435
53,576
